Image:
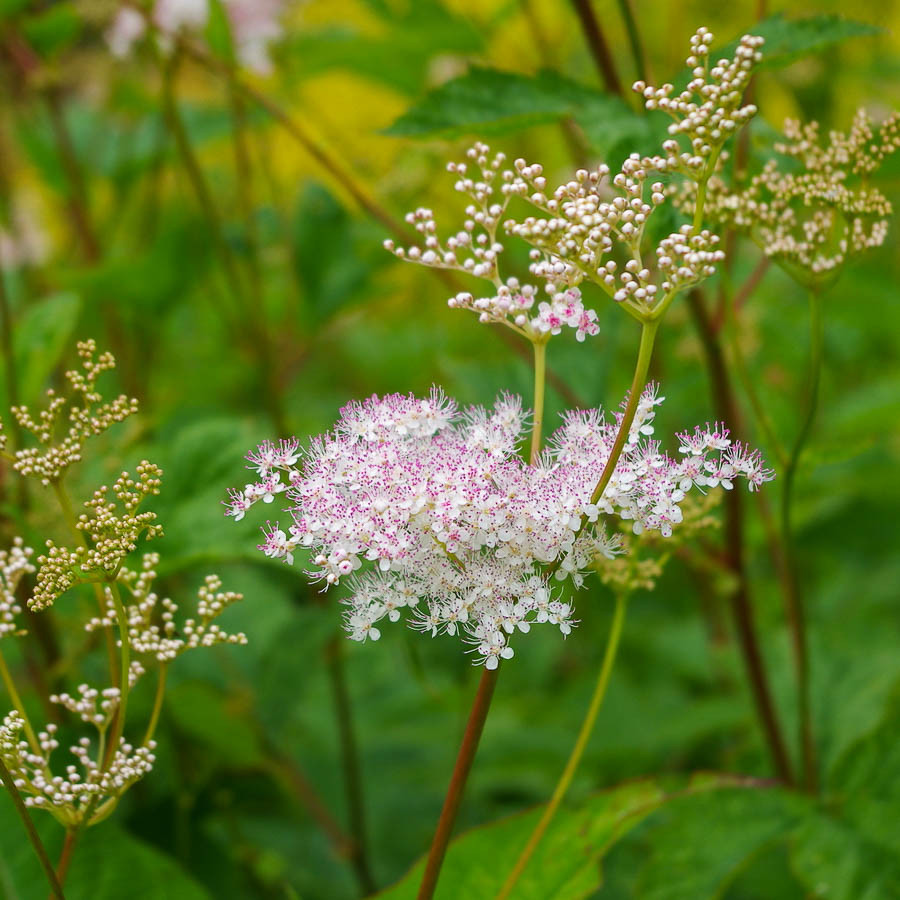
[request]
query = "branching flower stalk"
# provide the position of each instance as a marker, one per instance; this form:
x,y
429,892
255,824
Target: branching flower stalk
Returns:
x,y
810,212
143,625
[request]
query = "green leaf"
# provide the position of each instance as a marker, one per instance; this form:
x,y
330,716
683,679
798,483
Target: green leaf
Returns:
x,y
699,843
788,40
54,29
334,255
413,36
108,863
488,101
566,864
42,335
838,863
203,713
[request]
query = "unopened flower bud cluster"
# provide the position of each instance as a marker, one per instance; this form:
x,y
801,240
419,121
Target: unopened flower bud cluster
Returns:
x,y
814,218
645,555
110,536
49,461
14,564
110,530
152,626
430,509
86,784
593,227
708,111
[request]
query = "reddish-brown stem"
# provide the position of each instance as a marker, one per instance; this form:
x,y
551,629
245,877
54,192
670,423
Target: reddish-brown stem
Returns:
x,y
740,599
593,34
464,759
65,858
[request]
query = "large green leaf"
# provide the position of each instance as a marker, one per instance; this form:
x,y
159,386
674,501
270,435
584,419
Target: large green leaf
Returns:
x,y
566,864
414,34
788,40
108,864
42,336
489,101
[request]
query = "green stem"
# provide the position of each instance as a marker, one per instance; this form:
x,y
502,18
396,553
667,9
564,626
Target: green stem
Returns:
x,y
795,605
10,685
634,40
157,704
587,726
10,784
540,379
124,666
645,353
474,727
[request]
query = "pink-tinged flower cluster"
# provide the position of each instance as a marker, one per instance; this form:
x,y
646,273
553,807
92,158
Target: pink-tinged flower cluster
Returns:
x,y
254,26
430,512
513,304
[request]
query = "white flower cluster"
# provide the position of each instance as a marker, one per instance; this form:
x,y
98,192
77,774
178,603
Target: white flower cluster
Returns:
x,y
254,25
814,218
14,564
85,786
444,509
709,110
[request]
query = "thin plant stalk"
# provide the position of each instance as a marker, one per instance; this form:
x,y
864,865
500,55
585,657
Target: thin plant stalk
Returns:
x,y
465,757
158,698
353,781
740,597
634,40
10,685
65,857
540,378
593,35
10,785
795,605
587,727
482,702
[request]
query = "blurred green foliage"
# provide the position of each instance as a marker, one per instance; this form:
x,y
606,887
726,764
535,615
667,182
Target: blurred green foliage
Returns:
x,y
392,90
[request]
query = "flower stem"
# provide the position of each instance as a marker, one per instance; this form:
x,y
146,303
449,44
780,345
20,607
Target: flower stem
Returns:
x,y
124,666
795,607
740,597
587,726
634,39
65,858
157,704
593,35
645,353
540,379
10,685
464,759
10,784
